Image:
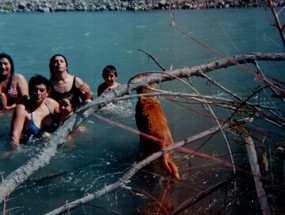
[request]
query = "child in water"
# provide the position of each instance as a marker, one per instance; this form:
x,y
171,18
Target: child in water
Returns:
x,y
110,76
67,107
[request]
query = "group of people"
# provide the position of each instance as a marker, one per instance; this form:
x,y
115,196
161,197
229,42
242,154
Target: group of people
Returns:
x,y
42,104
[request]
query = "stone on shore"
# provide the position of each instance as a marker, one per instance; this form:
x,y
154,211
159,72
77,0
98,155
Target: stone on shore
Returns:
x,y
46,6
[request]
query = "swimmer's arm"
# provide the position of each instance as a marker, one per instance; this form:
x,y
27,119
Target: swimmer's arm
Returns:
x,y
22,85
10,107
84,89
12,151
17,125
85,92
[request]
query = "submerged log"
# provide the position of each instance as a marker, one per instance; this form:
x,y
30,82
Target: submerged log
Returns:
x,y
20,175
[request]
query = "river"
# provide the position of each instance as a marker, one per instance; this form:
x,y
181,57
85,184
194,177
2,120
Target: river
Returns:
x,y
98,153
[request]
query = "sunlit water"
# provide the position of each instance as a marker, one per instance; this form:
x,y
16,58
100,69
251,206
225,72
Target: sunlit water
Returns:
x,y
98,153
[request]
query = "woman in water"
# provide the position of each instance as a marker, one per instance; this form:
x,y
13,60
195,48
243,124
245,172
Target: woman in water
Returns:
x,y
62,82
13,86
37,115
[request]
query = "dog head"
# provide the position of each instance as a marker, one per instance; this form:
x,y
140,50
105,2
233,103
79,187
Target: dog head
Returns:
x,y
143,90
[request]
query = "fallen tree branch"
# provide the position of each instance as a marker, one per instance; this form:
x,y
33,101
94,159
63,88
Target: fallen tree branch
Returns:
x,y
17,177
205,68
125,179
251,153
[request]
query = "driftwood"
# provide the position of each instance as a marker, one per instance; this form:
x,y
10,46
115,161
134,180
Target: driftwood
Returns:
x,y
252,157
16,178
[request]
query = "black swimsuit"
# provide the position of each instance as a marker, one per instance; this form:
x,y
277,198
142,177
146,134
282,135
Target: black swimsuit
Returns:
x,y
74,90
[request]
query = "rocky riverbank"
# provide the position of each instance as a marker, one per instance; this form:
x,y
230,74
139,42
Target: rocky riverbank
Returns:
x,y
120,5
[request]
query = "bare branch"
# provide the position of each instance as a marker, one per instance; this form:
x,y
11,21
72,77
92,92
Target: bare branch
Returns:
x,y
125,179
151,57
277,22
13,180
201,195
251,152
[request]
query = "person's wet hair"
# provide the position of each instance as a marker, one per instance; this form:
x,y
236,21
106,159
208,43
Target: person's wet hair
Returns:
x,y
52,60
9,58
109,68
38,79
72,100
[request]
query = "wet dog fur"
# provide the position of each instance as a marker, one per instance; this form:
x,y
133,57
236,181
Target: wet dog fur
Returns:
x,y
150,119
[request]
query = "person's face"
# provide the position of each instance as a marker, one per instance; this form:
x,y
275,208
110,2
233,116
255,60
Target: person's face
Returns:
x,y
110,78
38,93
59,64
5,66
65,107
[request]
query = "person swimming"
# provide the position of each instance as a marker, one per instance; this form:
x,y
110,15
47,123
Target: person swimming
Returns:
x,y
67,107
13,86
37,131
37,114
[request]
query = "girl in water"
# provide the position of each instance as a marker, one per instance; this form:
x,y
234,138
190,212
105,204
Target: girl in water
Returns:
x,y
67,107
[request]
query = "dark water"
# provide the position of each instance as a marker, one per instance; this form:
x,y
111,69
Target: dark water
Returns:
x,y
99,153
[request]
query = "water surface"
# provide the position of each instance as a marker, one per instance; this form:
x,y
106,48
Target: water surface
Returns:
x,y
100,153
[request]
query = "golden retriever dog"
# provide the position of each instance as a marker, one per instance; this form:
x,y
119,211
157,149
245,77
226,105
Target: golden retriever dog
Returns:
x,y
151,120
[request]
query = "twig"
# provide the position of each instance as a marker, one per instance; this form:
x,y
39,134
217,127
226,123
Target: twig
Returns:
x,y
200,195
150,56
279,94
217,53
277,22
210,110
221,87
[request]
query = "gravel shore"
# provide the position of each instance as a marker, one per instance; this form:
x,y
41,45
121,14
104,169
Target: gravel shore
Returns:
x,y
47,6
